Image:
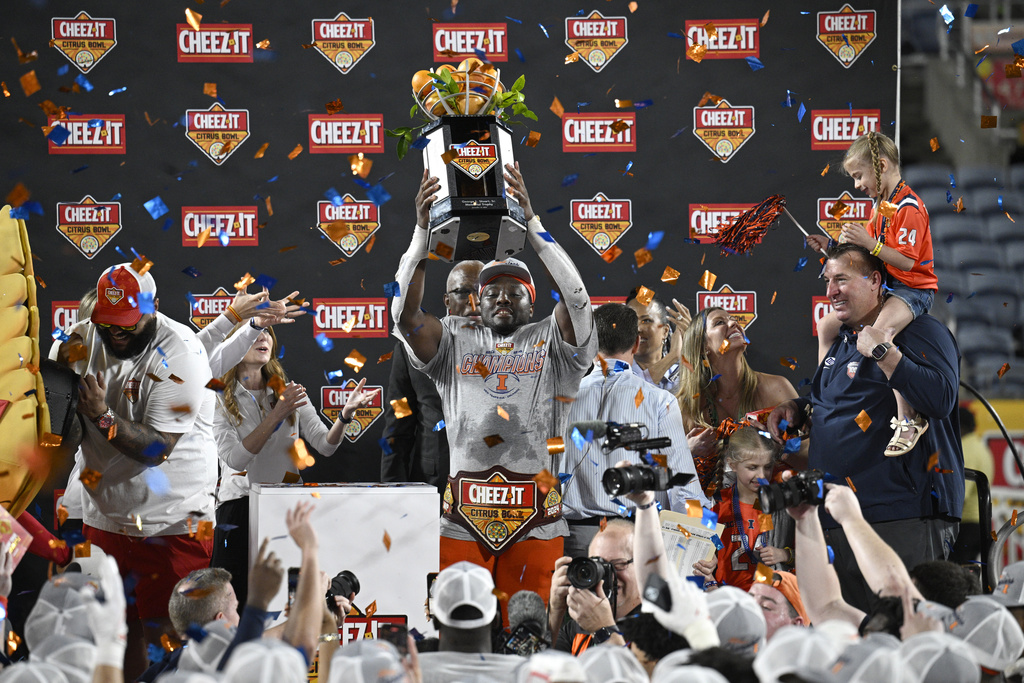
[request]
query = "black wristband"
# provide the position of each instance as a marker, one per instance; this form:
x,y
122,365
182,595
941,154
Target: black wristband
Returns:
x,y
252,323
342,419
604,633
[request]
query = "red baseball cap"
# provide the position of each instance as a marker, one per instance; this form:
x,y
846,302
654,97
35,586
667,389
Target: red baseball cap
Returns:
x,y
512,268
117,296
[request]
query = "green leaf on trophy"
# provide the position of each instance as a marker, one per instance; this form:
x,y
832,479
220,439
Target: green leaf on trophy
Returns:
x,y
412,112
529,114
403,147
396,132
518,85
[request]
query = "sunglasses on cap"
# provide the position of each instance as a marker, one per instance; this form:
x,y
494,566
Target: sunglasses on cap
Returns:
x,y
126,328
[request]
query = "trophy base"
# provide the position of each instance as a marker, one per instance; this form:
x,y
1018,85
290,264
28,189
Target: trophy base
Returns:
x,y
481,238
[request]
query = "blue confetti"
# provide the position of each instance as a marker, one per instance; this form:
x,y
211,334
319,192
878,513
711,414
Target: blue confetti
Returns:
x,y
949,197
157,481
392,289
677,35
115,197
324,342
980,61
699,580
654,240
481,55
154,450
783,425
554,209
155,653
570,179
378,195
196,632
193,304
156,207
79,169
754,63
788,102
519,54
762,481
806,381
146,303
439,426
191,271
117,90
121,252
518,21
792,445
800,112
335,198
262,306
628,166
362,183
59,335
709,519
83,82
542,28
546,236
280,353
563,478
95,123
167,224
265,281
952,181
715,378
224,239
971,10
680,545
63,70
800,264
949,299
334,376
925,263
420,143
273,180
643,104
679,132
578,439
999,200
718,542
556,296
58,135
831,554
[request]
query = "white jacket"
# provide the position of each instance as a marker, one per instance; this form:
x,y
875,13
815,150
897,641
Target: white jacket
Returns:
x,y
239,467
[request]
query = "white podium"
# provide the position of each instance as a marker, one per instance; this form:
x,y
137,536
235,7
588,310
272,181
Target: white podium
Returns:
x,y
351,520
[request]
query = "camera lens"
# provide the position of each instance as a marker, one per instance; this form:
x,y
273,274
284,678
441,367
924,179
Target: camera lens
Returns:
x,y
616,480
345,583
585,573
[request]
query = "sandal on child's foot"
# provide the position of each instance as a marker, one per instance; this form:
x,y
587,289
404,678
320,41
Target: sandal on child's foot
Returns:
x,y
906,436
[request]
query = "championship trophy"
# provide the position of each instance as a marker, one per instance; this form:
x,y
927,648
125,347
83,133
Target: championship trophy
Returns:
x,y
466,150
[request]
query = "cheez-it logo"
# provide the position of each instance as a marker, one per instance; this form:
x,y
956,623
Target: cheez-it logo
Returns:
x,y
114,295
846,33
343,41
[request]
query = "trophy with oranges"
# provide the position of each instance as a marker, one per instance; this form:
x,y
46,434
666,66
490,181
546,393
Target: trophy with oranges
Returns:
x,y
466,142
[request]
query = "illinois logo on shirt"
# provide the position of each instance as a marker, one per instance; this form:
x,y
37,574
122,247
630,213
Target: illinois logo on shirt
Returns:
x,y
851,369
131,390
504,370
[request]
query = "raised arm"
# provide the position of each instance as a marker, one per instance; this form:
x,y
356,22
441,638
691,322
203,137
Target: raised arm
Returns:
x,y
421,329
572,312
303,626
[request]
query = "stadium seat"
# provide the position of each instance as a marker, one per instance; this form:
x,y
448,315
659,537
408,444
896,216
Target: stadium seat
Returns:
x,y
972,256
934,199
980,175
923,176
984,201
949,281
976,341
1002,230
1014,255
987,281
948,230
984,369
1017,177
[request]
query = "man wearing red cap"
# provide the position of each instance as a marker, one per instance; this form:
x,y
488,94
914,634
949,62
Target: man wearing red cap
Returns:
x,y
149,457
498,380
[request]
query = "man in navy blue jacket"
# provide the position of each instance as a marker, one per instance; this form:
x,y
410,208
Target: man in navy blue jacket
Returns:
x,y
913,501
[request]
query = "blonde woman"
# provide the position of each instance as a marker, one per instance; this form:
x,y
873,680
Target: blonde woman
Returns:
x,y
717,383
256,426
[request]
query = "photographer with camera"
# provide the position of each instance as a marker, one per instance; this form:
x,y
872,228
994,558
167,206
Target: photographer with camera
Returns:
x,y
912,503
614,394
595,591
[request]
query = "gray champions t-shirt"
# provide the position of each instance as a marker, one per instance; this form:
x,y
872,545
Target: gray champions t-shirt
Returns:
x,y
527,370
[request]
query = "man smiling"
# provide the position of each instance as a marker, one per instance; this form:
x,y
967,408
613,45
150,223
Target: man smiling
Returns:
x,y
498,381
913,502
150,461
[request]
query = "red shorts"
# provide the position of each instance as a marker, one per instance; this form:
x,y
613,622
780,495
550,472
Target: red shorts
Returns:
x,y
527,565
153,564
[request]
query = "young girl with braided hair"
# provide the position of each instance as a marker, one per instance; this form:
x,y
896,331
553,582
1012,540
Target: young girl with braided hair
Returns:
x,y
898,234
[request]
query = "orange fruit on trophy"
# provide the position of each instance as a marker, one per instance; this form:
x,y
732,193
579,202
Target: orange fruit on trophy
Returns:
x,y
445,67
474,104
420,79
433,104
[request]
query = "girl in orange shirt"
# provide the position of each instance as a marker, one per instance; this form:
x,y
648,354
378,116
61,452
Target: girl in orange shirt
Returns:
x,y
899,235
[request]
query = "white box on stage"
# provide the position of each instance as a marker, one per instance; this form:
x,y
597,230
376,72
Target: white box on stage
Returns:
x,y
351,521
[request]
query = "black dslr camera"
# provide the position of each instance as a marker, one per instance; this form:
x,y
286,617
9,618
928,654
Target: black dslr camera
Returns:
x,y
805,487
635,478
344,585
586,573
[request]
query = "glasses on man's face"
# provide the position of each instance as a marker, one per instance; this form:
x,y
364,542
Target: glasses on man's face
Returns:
x,y
462,293
620,565
129,328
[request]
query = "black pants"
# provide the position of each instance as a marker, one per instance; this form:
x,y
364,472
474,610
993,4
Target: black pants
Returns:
x,y
231,545
914,540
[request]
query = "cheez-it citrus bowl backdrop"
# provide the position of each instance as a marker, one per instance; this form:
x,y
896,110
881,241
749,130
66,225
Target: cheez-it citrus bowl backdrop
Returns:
x,y
244,131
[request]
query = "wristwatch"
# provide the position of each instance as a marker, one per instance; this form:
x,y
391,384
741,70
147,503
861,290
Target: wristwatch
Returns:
x,y
602,634
105,420
878,353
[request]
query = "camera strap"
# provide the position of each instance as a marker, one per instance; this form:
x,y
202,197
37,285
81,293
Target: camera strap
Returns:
x,y
741,525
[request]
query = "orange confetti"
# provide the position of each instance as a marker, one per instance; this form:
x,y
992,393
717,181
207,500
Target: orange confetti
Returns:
x,y
261,151
696,52
849,482
277,384
336,262
545,481
887,209
371,609
3,87
387,541
788,362
141,265
1003,370
556,108
500,594
203,237
660,459
481,370
204,530
83,549
369,247
314,494
934,142
763,574
336,230
642,256
295,152
710,29
50,440
574,57
671,275
532,139
611,254
839,209
30,83
451,155
153,377
639,398
644,296
556,445
385,357
707,280
90,478
603,524
215,384
401,407
55,543
360,164
764,19
863,420
632,6
989,121
355,360
112,432
193,19
263,44
825,170
349,324
502,413
959,206
623,104
270,208
493,440
683,530
334,107
694,509
765,522
62,514
40,281
210,89
298,453
76,352
19,195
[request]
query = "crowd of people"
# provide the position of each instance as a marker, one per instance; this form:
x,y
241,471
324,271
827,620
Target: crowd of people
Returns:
x,y
832,514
